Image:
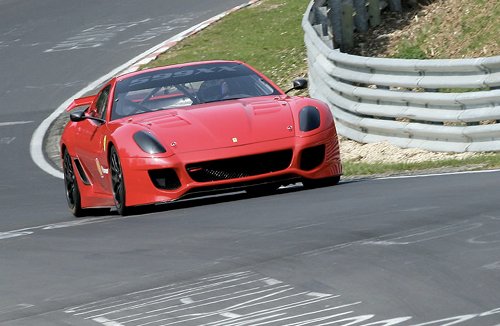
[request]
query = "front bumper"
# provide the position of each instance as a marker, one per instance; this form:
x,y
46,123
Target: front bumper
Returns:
x,y
141,190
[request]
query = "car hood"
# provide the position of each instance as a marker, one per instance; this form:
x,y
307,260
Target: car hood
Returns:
x,y
222,124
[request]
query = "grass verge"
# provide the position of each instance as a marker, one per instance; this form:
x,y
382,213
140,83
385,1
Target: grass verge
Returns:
x,y
267,35
479,162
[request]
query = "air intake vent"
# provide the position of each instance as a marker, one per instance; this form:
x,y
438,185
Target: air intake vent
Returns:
x,y
240,167
165,179
312,157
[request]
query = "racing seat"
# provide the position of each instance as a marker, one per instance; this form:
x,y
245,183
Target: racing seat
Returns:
x,y
212,90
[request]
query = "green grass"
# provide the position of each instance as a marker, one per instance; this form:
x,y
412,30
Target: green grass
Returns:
x,y
471,30
269,37
480,162
411,49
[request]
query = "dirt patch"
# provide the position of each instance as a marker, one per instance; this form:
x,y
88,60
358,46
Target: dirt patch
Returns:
x,y
436,29
352,151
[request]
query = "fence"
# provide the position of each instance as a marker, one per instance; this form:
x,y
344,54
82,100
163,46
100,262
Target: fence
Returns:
x,y
440,105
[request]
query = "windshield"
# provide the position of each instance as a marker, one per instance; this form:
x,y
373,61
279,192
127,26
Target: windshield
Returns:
x,y
184,86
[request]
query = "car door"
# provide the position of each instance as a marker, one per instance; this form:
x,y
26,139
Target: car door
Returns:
x,y
92,140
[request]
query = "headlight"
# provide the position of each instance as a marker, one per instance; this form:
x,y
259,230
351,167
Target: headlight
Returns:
x,y
309,118
148,143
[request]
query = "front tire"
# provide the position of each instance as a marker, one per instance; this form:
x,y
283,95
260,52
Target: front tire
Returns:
x,y
118,183
71,186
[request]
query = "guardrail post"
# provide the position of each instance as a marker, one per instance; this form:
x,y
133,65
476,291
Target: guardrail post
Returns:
x,y
361,16
335,17
347,25
395,5
319,16
374,12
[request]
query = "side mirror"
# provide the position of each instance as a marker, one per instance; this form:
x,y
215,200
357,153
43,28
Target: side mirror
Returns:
x,y
80,116
299,83
77,116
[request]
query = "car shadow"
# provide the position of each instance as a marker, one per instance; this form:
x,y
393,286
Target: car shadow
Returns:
x,y
214,199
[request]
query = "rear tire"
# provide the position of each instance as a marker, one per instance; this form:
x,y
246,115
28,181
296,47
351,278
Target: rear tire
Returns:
x,y
71,186
118,183
324,182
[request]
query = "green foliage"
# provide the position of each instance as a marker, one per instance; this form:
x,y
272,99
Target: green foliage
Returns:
x,y
408,50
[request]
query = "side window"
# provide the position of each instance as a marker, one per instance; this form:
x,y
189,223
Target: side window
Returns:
x,y
102,101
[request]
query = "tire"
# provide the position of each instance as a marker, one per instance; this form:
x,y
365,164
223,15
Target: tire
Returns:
x,y
71,186
317,183
118,183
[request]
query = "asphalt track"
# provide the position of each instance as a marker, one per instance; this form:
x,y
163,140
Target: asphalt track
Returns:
x,y
403,251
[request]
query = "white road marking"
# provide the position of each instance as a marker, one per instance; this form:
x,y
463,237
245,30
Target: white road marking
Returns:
x,y
106,322
493,266
450,321
7,140
17,307
151,34
32,230
318,295
74,223
427,235
230,315
13,123
272,281
187,301
93,37
271,305
174,288
436,174
13,234
149,302
488,238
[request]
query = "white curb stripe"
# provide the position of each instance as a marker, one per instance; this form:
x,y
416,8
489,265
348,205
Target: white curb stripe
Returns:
x,y
436,174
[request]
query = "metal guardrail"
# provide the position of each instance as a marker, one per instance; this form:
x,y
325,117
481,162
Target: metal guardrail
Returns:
x,y
450,105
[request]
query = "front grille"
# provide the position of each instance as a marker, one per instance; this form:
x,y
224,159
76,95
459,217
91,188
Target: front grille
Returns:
x,y
312,157
240,167
165,179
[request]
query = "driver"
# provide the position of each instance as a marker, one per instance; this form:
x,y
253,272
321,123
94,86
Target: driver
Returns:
x,y
213,90
125,107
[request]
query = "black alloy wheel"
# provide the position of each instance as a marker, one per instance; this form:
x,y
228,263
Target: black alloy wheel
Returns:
x,y
71,186
117,183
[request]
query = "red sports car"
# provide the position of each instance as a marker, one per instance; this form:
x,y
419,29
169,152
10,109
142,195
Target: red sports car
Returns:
x,y
162,134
